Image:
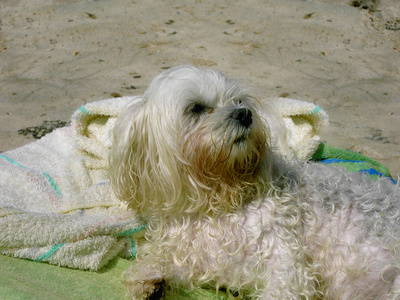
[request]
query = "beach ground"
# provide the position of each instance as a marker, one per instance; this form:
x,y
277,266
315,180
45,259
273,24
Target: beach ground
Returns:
x,y
57,55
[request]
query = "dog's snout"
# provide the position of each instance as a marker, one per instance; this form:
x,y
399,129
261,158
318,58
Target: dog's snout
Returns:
x,y
243,115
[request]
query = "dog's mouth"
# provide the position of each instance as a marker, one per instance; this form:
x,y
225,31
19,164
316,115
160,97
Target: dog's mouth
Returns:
x,y
241,139
242,136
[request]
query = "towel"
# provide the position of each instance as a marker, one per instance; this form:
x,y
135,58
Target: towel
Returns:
x,y
57,206
93,121
304,122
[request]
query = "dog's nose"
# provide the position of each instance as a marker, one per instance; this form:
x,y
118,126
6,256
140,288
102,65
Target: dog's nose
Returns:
x,y
243,115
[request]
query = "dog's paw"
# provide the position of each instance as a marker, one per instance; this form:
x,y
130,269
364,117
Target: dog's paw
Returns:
x,y
142,289
159,291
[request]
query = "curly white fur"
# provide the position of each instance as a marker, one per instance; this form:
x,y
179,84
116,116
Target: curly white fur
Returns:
x,y
224,210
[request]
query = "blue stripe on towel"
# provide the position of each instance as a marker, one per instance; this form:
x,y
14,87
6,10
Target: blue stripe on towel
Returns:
x,y
369,171
45,174
49,253
374,172
335,160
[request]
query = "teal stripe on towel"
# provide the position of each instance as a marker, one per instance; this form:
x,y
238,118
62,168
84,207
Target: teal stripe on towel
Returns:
x,y
316,110
52,182
133,230
83,110
133,248
47,175
12,161
129,233
49,253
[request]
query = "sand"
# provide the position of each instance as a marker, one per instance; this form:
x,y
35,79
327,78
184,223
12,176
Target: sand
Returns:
x,y
58,55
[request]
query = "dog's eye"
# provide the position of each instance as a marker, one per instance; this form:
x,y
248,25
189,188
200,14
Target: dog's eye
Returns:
x,y
197,109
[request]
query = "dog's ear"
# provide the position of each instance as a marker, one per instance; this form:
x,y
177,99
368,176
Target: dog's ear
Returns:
x,y
144,165
123,155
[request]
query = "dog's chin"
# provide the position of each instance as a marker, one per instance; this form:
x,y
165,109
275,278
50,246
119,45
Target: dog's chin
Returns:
x,y
235,160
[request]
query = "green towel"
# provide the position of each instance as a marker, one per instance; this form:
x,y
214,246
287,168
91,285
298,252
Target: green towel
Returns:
x,y
24,279
352,161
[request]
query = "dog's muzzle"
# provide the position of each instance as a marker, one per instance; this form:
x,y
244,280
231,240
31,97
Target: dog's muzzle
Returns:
x,y
243,115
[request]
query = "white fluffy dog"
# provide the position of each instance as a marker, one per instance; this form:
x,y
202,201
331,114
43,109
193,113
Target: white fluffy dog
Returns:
x,y
194,157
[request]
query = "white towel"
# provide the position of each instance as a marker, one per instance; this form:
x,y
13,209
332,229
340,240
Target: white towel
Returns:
x,y
56,204
304,122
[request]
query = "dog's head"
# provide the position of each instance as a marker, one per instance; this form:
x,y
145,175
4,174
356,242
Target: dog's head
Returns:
x,y
194,144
